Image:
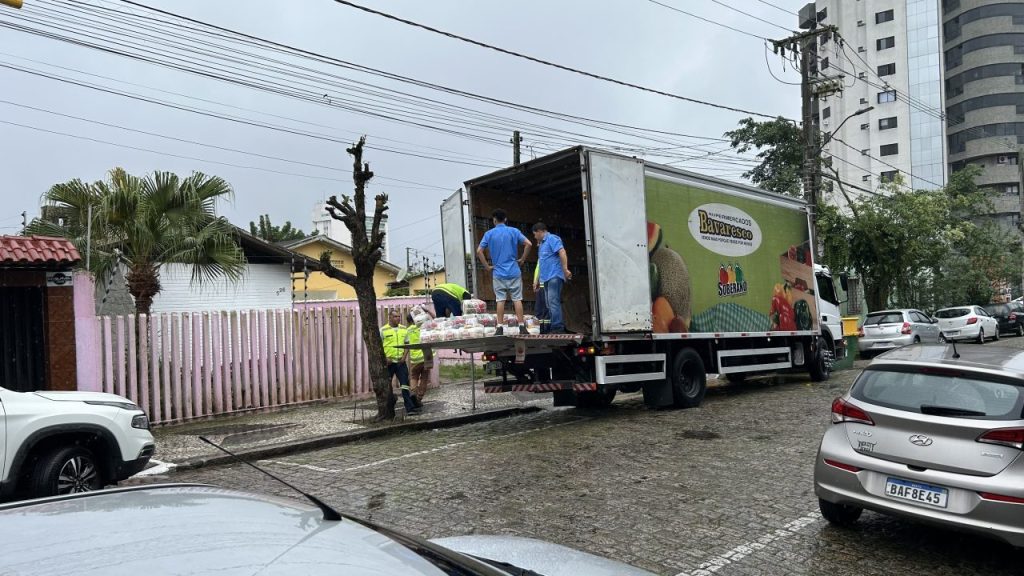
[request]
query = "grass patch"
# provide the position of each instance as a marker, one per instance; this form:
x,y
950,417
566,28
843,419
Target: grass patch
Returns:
x,y
457,372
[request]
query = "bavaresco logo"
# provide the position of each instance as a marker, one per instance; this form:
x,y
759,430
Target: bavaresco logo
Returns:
x,y
725,230
731,281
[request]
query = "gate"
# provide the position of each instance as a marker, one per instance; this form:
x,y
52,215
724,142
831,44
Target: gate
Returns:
x,y
22,339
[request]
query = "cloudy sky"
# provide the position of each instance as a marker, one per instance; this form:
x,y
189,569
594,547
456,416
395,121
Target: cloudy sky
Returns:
x,y
188,97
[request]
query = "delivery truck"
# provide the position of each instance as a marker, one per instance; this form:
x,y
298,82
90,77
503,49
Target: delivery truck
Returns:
x,y
675,275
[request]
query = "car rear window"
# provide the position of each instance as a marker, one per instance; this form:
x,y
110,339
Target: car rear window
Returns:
x,y
997,309
953,313
941,392
886,318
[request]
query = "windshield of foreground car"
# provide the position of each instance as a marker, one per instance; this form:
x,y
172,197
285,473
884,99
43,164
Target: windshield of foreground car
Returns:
x,y
942,394
953,313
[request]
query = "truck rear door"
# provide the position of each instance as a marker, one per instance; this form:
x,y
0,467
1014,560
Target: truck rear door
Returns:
x,y
617,230
453,239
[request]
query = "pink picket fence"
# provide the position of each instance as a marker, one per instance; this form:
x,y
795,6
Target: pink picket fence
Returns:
x,y
183,366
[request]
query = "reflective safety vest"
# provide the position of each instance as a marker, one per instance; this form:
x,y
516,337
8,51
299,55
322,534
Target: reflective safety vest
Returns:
x,y
536,275
412,336
393,337
454,290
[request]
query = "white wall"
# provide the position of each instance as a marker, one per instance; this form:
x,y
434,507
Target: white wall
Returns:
x,y
264,286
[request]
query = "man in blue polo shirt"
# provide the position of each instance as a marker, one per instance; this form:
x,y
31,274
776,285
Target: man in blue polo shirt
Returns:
x,y
554,271
503,243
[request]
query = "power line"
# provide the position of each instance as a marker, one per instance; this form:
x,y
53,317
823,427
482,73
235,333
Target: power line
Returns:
x,y
708,20
777,7
758,18
542,61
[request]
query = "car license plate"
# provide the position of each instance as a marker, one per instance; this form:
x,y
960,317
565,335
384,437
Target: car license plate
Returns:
x,y
952,333
882,344
916,492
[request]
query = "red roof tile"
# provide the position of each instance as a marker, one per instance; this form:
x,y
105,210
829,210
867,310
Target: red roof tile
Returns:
x,y
36,251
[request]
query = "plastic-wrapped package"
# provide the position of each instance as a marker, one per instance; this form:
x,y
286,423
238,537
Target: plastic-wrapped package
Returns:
x,y
475,332
474,306
533,330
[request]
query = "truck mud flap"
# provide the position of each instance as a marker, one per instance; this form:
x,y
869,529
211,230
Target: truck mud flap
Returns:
x,y
540,387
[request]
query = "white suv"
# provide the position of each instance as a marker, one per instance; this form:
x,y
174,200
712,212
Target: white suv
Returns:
x,y
64,442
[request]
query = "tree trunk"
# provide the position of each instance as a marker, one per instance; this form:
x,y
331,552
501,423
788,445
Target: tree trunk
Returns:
x,y
143,284
876,295
367,297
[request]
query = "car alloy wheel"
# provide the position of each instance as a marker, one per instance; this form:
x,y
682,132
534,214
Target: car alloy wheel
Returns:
x,y
78,474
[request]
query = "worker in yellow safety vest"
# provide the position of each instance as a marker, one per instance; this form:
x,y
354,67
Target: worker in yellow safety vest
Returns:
x,y
420,364
540,305
393,335
448,299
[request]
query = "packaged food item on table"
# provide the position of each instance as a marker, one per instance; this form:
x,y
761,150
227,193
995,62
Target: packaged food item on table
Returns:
x,y
474,306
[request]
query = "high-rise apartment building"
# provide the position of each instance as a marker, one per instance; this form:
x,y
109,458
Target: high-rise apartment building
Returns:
x,y
889,56
984,72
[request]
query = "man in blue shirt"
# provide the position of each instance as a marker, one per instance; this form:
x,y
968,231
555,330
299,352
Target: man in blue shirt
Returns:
x,y
554,271
503,242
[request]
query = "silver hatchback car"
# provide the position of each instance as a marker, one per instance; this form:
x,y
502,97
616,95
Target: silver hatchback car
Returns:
x,y
890,329
929,434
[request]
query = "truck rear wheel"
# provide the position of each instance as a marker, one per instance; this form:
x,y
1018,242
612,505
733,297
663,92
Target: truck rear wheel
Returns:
x,y
820,366
688,379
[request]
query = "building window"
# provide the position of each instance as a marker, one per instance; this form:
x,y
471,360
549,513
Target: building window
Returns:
x,y
885,43
1011,190
826,113
824,63
889,176
822,14
887,69
1006,159
889,149
865,178
824,40
865,126
887,123
887,96
885,16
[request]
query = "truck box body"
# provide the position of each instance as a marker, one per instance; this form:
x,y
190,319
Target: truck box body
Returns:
x,y
657,254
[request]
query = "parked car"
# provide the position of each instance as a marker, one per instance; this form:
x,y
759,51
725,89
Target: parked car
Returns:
x,y
967,323
890,329
65,442
191,529
933,435
1009,316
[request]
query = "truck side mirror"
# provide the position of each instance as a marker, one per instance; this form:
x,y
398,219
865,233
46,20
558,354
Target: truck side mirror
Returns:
x,y
844,281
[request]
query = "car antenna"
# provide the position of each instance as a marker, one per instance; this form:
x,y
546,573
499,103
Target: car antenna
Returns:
x,y
330,514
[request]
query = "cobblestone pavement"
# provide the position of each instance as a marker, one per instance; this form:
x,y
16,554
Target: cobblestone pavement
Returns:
x,y
724,489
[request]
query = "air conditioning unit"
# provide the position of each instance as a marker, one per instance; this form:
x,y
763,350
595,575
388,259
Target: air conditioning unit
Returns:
x,y
864,126
861,49
866,178
863,100
860,23
865,152
862,75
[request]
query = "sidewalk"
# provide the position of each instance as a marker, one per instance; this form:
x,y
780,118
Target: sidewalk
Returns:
x,y
262,434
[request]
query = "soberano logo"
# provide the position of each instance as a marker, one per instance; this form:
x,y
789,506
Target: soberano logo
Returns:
x,y
731,281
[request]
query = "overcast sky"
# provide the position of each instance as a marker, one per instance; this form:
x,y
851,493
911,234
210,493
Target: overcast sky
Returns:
x,y
633,40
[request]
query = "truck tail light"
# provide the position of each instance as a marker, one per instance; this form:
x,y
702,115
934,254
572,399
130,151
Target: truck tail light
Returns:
x,y
906,328
843,411
972,320
1012,437
586,351
490,357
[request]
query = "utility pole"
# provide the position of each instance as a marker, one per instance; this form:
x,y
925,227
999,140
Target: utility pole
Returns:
x,y
1020,194
517,141
811,89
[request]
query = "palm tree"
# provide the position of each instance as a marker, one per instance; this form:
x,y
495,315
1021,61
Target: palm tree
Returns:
x,y
144,223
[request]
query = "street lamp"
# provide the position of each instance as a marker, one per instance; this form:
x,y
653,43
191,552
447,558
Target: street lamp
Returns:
x,y
828,137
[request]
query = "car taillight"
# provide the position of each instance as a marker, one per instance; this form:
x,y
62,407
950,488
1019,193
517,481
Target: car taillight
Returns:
x,y
1001,498
1013,316
842,465
972,320
1012,437
860,332
843,411
906,328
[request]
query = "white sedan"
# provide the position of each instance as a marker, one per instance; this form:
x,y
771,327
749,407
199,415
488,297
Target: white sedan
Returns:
x,y
967,323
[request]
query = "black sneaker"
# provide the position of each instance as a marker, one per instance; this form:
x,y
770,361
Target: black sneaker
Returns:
x,y
499,331
523,331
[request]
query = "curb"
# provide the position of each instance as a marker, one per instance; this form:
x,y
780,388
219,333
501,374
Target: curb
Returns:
x,y
340,438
